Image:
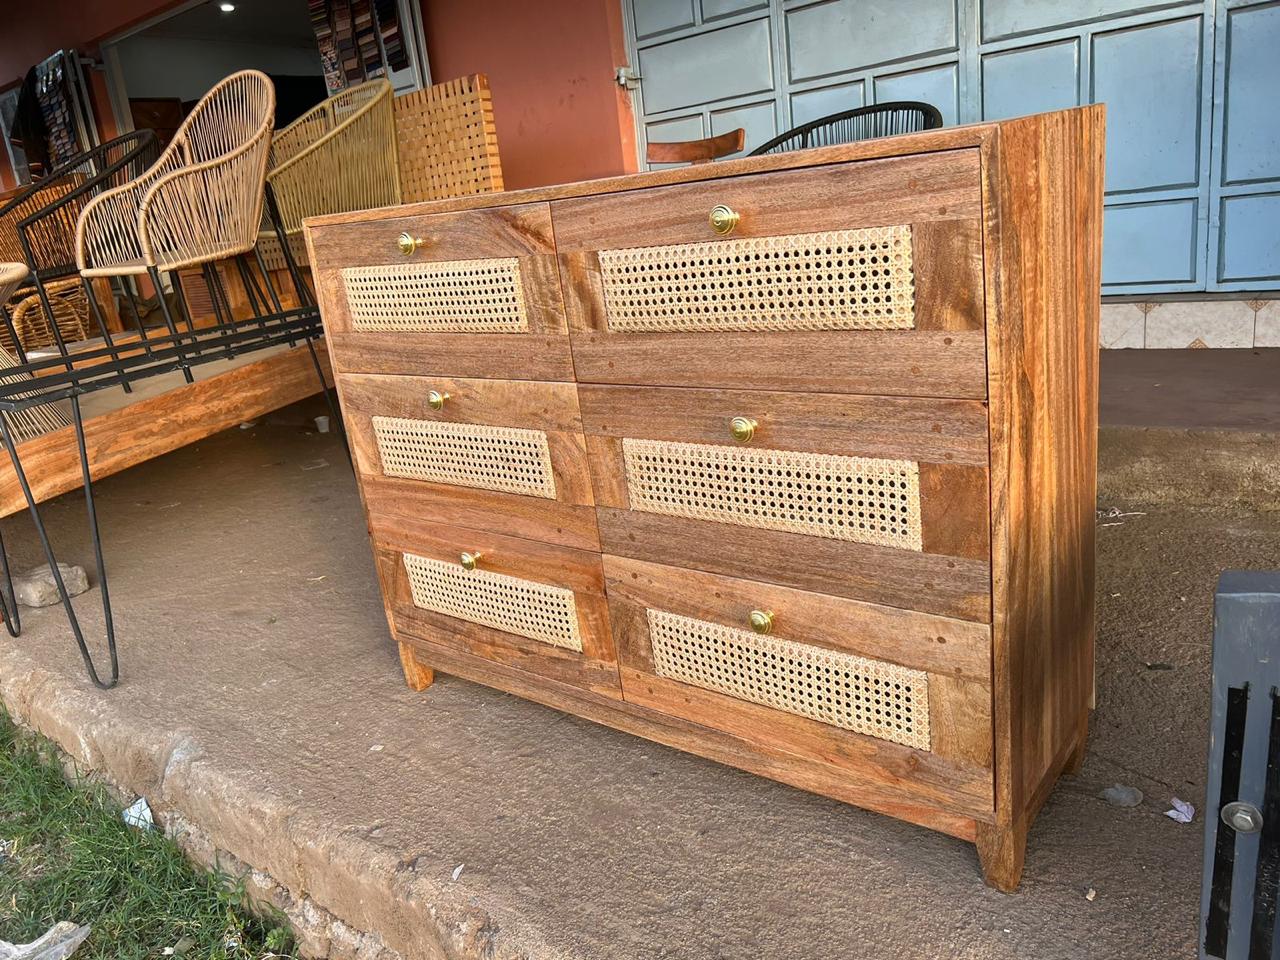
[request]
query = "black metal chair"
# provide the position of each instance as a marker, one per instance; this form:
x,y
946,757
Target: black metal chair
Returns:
x,y
864,123
38,228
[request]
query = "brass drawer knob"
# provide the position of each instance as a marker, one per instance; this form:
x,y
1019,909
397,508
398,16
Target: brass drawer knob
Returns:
x,y
470,561
409,243
761,621
742,429
724,219
436,399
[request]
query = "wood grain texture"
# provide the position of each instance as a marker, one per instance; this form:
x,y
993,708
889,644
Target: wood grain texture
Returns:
x,y
946,586
580,571
416,676
523,232
938,645
930,142
892,192
1043,203
744,752
696,151
155,425
551,408
939,431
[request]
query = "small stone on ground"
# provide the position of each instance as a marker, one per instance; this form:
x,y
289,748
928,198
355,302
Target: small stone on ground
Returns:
x,y
37,588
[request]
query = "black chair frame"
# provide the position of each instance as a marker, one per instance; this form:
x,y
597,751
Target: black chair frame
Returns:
x,y
863,123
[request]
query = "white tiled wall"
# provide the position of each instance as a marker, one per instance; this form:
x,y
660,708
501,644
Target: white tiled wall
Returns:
x,y
1178,324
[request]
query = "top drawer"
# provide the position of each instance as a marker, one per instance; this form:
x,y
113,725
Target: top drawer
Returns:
x,y
477,296
851,278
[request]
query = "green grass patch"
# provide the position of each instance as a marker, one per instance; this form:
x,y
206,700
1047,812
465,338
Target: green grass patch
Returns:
x,y
65,854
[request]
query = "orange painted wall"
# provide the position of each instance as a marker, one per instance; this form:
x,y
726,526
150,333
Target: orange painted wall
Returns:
x,y
560,115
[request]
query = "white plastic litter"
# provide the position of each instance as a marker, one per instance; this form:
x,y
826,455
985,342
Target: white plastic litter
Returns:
x,y
138,814
1182,811
322,424
60,942
457,871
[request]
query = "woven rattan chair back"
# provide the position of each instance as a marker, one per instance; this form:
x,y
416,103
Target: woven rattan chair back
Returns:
x,y
338,157
446,141
864,123
201,201
38,225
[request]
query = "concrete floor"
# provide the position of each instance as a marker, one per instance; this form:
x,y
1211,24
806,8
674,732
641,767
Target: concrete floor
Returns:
x,y
262,709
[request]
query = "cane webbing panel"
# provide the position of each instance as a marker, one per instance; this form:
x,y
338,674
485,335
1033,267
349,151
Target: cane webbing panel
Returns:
x,y
840,280
844,498
867,696
507,459
534,610
451,296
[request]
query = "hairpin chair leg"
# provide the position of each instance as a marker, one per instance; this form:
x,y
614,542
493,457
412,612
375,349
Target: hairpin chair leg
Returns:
x,y
7,437
9,599
97,318
154,274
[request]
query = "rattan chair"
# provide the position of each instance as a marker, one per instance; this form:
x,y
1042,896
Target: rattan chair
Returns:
x,y
200,202
446,141
31,422
864,123
38,226
339,156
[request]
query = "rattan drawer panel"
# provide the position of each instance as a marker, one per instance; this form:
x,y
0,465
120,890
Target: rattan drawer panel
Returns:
x,y
815,288
502,455
506,459
536,607
859,499
534,610
837,280
867,696
478,296
453,296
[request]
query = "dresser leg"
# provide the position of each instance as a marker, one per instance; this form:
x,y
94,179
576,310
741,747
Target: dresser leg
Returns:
x,y
1000,852
1076,758
416,674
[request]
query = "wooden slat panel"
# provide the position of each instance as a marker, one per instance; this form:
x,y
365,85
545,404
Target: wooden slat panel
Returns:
x,y
576,570
548,407
744,752
523,232
931,777
872,194
154,425
941,431
1044,217
947,586
938,645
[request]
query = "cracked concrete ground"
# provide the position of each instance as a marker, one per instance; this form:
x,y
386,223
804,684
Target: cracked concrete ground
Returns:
x,y
263,714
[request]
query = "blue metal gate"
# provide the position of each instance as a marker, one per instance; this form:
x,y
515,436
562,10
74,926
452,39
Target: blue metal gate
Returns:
x,y
1193,139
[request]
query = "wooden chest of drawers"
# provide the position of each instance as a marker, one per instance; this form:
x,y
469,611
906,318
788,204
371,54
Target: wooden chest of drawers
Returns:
x,y
787,461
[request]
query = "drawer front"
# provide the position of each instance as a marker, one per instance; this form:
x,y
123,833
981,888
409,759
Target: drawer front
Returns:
x,y
876,499
530,606
860,278
867,687
479,296
501,455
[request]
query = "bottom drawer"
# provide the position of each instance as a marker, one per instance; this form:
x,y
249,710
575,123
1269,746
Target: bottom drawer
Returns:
x,y
532,606
890,694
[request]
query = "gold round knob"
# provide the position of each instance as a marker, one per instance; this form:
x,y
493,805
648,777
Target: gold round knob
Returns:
x,y
409,243
724,219
470,561
436,399
742,429
761,621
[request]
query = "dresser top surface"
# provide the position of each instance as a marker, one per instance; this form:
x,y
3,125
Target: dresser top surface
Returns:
x,y
931,141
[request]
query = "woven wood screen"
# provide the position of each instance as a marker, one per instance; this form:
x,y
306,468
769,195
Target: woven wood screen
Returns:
x,y
446,141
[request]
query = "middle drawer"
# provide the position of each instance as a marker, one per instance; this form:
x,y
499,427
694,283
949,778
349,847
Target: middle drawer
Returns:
x,y
501,455
870,498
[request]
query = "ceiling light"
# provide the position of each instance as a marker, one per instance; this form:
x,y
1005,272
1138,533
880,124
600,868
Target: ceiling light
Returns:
x,y
227,7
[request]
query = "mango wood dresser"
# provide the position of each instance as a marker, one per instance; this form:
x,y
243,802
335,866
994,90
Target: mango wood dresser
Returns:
x,y
787,461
